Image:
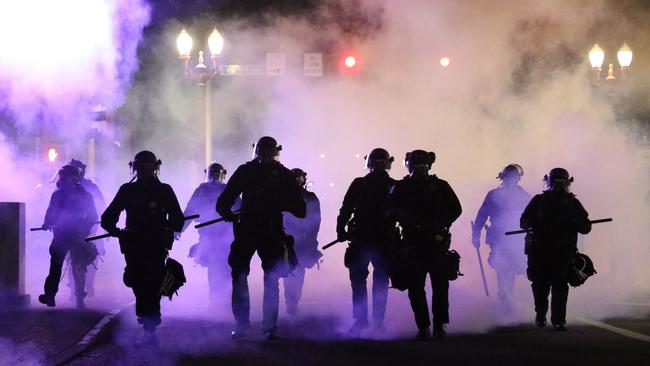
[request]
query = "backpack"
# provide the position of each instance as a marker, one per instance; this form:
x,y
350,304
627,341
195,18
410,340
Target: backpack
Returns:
x,y
174,278
581,268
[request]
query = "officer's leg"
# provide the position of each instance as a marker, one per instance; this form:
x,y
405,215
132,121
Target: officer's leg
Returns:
x,y
144,274
91,271
559,298
379,286
78,269
418,299
293,289
272,256
57,255
356,259
439,299
239,259
541,290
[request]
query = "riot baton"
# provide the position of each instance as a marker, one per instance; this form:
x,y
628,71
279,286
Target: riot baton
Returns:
x,y
41,228
480,264
52,227
210,222
332,243
107,235
524,231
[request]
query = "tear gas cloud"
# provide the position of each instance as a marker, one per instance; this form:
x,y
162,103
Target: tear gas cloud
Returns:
x,y
517,89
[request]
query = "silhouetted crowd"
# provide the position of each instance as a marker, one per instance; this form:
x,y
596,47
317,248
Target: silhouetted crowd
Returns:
x,y
400,227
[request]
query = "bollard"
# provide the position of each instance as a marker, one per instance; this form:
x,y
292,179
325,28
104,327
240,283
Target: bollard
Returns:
x,y
12,256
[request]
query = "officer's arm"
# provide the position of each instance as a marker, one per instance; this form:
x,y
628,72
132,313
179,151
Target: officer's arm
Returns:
x,y
314,217
91,211
482,215
347,208
295,202
98,198
191,208
52,211
580,218
451,206
528,217
112,213
176,218
227,198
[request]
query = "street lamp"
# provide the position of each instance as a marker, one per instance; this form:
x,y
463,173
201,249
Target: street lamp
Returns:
x,y
624,56
597,57
204,75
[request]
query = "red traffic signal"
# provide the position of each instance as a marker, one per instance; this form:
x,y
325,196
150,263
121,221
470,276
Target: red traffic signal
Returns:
x,y
349,62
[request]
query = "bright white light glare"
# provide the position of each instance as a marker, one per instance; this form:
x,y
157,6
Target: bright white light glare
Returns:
x,y
184,43
331,184
215,42
322,156
350,61
444,62
52,154
624,55
357,155
40,36
596,56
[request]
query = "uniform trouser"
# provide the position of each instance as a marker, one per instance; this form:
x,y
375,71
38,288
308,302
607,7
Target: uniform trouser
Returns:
x,y
559,291
58,251
439,295
293,288
357,259
144,273
508,260
271,254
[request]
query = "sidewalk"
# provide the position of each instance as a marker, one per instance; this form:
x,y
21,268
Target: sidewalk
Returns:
x,y
38,334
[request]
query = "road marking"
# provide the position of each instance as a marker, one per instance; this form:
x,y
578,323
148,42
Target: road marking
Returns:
x,y
617,330
628,303
102,323
97,328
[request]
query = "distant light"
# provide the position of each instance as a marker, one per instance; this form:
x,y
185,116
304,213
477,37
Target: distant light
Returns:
x,y
357,155
624,55
215,43
596,56
322,156
52,154
331,184
184,43
444,62
350,61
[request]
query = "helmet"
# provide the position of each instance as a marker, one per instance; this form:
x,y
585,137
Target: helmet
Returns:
x,y
419,158
512,170
558,179
266,148
68,173
145,161
216,172
379,159
80,165
581,268
301,176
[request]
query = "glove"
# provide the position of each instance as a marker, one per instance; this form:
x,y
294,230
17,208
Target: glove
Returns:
x,y
230,216
342,235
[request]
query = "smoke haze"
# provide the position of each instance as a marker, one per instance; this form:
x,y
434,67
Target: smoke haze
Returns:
x,y
517,90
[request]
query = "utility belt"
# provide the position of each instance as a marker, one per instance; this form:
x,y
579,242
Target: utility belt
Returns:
x,y
141,240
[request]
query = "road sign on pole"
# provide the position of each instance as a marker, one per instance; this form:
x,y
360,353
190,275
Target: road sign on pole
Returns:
x,y
275,64
313,64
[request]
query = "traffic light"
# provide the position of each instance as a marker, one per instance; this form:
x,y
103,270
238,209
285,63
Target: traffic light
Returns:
x,y
349,62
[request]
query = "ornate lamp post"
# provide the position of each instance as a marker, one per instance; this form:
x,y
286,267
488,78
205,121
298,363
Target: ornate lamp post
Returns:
x,y
597,57
204,75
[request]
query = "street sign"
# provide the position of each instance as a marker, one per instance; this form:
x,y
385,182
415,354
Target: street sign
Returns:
x,y
313,64
275,64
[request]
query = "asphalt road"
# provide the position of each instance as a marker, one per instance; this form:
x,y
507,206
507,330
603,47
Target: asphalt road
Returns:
x,y
317,341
